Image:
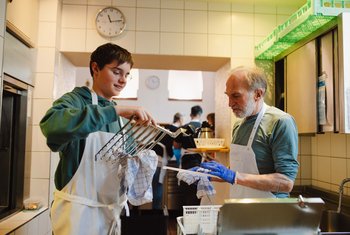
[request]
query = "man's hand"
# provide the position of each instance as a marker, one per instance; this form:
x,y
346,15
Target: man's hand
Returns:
x,y
139,113
220,170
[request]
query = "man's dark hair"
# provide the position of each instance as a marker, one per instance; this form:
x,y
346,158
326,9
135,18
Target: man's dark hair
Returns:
x,y
107,53
177,117
196,110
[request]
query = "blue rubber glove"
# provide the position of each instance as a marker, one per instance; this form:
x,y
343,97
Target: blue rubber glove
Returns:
x,y
220,170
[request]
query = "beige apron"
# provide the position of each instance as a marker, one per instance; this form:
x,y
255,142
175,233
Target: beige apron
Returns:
x,y
242,159
90,203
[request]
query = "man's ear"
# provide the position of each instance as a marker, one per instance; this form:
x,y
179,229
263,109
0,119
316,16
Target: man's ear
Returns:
x,y
259,94
94,67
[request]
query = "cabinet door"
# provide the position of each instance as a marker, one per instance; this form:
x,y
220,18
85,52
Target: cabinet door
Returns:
x,y
326,68
301,87
22,20
344,71
2,17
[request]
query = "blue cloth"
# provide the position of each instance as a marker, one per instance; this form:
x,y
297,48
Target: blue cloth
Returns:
x,y
275,144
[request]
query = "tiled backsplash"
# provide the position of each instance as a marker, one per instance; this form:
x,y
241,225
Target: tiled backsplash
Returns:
x,y
325,160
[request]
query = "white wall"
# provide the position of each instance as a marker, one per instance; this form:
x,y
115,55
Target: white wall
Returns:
x,y
156,101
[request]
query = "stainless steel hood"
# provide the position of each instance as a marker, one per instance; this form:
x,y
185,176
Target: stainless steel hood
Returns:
x,y
270,216
19,60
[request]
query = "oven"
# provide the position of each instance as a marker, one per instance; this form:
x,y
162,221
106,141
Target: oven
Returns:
x,y
13,125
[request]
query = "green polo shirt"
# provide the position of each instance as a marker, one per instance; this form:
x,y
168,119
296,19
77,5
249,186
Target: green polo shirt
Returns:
x,y
67,124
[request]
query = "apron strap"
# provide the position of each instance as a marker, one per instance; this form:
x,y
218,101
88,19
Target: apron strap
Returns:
x,y
83,200
115,226
256,125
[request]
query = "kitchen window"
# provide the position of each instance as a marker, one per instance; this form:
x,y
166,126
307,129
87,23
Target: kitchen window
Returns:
x,y
185,85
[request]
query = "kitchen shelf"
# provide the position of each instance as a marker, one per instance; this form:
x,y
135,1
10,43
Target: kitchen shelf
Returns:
x,y
208,150
308,19
207,153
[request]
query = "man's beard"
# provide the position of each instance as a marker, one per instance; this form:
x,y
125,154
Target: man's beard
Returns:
x,y
249,109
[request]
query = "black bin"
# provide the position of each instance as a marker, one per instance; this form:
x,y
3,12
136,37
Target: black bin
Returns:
x,y
153,222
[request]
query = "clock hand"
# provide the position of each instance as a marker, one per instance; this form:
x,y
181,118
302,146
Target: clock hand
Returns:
x,y
117,21
110,19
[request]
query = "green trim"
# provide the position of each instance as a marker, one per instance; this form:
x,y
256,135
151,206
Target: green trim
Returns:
x,y
307,20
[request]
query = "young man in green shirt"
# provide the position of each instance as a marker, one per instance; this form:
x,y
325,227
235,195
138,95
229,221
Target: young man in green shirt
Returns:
x,y
88,198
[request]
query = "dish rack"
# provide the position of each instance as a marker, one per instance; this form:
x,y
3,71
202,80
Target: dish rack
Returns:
x,y
198,220
209,142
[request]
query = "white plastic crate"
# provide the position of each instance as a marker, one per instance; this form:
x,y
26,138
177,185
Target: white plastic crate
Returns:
x,y
209,142
199,220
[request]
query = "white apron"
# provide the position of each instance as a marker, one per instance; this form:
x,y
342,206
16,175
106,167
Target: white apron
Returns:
x,y
90,203
242,159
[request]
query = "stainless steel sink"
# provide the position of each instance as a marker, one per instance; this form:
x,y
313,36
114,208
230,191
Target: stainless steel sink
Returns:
x,y
332,221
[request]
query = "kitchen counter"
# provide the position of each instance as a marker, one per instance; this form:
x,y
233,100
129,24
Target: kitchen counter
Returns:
x,y
330,198
13,222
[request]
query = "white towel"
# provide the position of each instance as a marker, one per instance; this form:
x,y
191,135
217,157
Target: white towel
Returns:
x,y
204,186
136,175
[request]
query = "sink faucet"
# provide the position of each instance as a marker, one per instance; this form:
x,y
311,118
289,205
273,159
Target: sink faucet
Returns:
x,y
341,189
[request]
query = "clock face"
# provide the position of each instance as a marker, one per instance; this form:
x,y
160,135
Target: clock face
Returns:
x,y
110,22
152,82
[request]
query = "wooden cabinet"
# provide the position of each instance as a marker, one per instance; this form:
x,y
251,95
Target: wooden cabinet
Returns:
x,y
2,33
323,61
301,84
22,20
327,109
344,72
2,17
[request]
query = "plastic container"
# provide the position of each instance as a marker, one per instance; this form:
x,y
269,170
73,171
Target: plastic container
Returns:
x,y
32,203
198,220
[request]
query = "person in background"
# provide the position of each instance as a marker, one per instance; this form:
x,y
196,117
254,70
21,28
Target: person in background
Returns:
x,y
263,153
158,177
196,113
193,127
173,147
165,150
211,120
188,159
88,200
177,122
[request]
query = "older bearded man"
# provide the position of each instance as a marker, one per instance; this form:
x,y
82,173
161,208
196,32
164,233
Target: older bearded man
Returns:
x,y
264,148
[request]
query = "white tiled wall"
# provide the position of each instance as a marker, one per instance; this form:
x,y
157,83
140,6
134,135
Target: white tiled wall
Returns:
x,y
39,176
325,161
176,27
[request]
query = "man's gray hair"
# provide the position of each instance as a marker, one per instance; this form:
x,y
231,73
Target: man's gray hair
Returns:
x,y
256,77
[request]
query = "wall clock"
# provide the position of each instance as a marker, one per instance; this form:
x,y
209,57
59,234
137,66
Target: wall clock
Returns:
x,y
153,82
110,22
